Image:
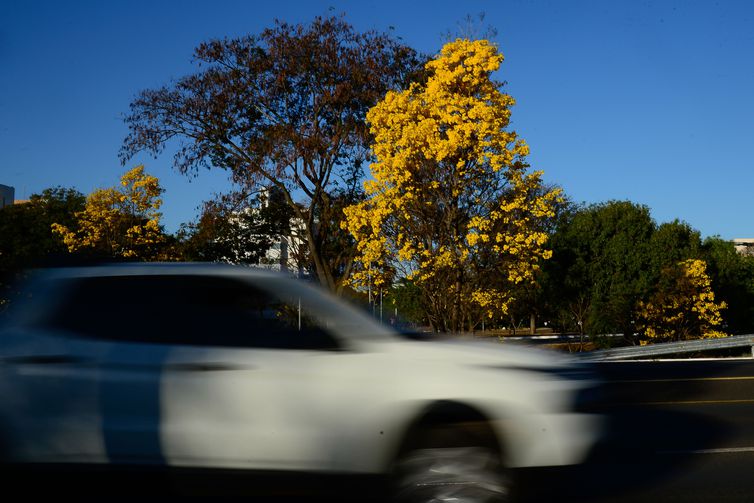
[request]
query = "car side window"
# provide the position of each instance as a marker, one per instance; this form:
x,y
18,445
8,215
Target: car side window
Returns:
x,y
186,310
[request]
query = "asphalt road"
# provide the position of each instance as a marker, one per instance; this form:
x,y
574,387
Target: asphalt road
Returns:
x,y
680,431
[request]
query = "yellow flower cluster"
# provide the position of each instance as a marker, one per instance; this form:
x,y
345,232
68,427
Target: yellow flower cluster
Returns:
x,y
120,222
450,188
687,311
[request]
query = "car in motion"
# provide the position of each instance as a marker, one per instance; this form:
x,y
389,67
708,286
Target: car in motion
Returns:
x,y
211,367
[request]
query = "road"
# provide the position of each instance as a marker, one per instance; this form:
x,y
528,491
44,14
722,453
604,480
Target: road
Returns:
x,y
680,431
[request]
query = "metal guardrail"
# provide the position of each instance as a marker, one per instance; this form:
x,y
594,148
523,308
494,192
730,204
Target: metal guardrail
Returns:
x,y
553,338
670,348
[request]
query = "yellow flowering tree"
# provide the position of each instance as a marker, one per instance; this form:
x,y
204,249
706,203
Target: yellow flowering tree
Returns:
x,y
683,308
121,221
451,203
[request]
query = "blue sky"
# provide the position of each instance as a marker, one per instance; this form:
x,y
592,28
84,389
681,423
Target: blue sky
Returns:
x,y
649,101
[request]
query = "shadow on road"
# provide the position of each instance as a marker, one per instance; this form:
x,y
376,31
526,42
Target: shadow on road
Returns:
x,y
678,431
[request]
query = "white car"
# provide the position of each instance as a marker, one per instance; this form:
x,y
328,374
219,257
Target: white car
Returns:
x,y
230,368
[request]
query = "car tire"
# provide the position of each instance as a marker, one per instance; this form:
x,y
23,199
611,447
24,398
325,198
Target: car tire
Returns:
x,y
451,463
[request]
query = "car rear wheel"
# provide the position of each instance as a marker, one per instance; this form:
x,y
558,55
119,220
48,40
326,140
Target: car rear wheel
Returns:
x,y
451,464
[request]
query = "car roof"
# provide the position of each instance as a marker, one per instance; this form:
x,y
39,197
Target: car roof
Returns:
x,y
282,283
160,268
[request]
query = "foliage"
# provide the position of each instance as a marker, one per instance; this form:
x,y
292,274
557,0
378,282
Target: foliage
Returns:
x,y
285,107
27,238
405,298
602,265
119,222
542,298
612,261
733,283
683,307
451,205
334,241
671,243
237,228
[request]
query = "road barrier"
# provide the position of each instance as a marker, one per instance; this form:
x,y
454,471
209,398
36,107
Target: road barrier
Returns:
x,y
654,351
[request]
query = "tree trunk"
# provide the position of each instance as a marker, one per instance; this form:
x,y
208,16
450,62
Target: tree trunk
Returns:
x,y
456,322
322,270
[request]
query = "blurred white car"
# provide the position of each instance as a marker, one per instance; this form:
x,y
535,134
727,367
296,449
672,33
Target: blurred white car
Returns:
x,y
219,367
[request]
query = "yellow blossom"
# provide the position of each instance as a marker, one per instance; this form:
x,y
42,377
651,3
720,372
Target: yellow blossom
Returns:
x,y
120,222
451,199
684,310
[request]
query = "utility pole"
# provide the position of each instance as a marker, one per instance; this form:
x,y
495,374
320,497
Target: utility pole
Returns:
x,y
380,305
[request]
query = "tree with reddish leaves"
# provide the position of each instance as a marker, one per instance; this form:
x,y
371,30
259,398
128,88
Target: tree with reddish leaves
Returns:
x,y
284,109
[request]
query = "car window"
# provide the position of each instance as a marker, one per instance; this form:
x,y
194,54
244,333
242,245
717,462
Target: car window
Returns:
x,y
189,310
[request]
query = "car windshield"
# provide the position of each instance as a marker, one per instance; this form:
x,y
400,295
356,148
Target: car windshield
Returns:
x,y
328,311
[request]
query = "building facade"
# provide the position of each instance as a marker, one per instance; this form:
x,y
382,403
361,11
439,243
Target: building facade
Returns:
x,y
744,246
7,196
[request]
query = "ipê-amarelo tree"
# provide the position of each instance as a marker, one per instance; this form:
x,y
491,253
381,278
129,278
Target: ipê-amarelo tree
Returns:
x,y
120,222
683,307
452,204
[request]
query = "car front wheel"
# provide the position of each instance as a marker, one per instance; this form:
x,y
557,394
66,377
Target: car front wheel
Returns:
x,y
451,465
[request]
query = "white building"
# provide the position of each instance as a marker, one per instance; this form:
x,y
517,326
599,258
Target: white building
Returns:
x,y
289,252
744,246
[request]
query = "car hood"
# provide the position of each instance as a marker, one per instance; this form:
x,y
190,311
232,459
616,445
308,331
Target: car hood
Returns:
x,y
486,353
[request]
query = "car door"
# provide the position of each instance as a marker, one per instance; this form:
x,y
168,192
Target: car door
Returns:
x,y
252,383
79,382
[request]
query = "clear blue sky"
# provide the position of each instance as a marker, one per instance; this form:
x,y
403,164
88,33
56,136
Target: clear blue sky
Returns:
x,y
650,101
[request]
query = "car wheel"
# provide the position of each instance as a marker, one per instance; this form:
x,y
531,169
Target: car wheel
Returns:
x,y
451,465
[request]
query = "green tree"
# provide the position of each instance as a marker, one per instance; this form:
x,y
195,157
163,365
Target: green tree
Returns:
x,y
615,270
602,264
284,108
27,237
452,205
733,282
671,243
405,298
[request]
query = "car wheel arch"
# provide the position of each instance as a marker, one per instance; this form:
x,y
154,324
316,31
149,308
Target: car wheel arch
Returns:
x,y
451,451
450,414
